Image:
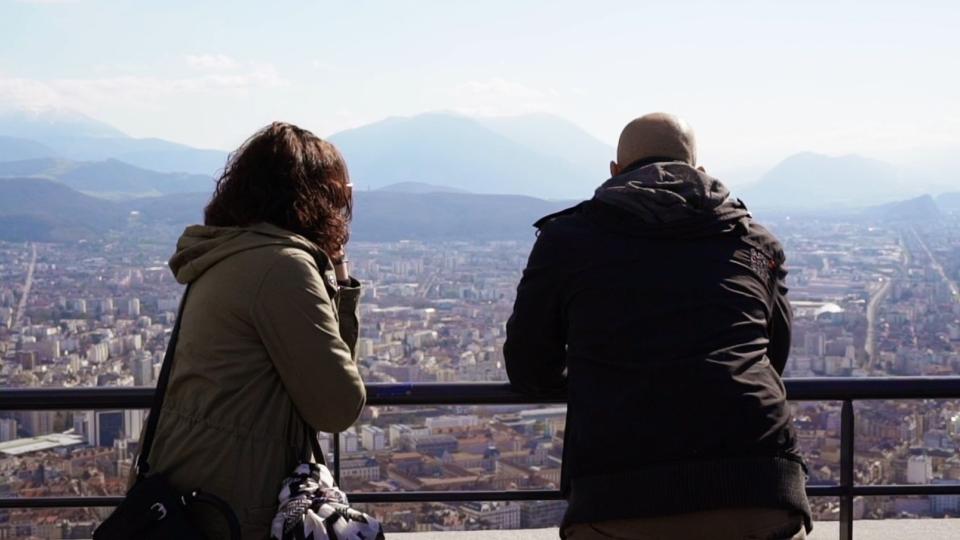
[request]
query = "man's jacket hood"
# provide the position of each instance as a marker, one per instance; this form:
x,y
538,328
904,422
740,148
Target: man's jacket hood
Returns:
x,y
671,199
201,247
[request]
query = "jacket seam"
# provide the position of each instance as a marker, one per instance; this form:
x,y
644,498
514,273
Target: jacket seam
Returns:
x,y
229,430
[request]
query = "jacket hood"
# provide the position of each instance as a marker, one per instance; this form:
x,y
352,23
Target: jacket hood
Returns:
x,y
200,247
672,198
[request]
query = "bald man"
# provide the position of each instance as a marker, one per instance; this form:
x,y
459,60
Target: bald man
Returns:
x,y
658,309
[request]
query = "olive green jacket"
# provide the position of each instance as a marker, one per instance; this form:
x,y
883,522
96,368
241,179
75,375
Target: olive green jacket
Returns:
x,y
267,338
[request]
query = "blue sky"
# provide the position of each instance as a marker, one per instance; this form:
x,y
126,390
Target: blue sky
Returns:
x,y
759,80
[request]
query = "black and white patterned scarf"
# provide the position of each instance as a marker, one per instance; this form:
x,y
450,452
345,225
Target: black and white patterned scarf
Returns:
x,y
312,507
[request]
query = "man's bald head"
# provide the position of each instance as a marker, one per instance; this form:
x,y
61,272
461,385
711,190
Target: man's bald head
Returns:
x,y
656,135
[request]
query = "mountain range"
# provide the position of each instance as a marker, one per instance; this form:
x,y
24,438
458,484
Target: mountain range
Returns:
x,y
493,157
45,210
16,149
110,179
809,180
74,136
537,155
430,175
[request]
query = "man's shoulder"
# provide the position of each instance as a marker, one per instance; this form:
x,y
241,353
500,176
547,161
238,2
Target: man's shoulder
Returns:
x,y
562,235
562,217
761,238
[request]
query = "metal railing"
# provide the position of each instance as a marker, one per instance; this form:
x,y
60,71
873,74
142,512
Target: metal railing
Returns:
x,y
844,390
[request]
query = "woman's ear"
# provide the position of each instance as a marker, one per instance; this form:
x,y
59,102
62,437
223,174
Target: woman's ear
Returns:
x,y
701,169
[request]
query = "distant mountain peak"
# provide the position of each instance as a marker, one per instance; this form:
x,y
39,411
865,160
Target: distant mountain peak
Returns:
x,y
73,135
46,122
918,209
461,152
816,181
539,156
554,135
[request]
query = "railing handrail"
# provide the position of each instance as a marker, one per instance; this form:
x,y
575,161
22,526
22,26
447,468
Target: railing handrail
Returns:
x,y
844,390
798,389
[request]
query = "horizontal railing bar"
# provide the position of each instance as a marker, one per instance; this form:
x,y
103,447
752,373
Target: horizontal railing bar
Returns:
x,y
103,397
805,389
454,496
59,502
875,490
825,491
906,489
871,388
466,496
452,394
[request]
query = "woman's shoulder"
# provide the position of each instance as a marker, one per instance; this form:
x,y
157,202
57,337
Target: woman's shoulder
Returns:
x,y
284,265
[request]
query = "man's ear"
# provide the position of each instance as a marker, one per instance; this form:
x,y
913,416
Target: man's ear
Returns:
x,y
701,169
614,168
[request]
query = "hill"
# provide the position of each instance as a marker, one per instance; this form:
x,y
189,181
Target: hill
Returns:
x,y
456,151
39,209
15,148
811,180
949,202
74,136
154,154
554,136
389,216
386,216
178,209
111,178
918,209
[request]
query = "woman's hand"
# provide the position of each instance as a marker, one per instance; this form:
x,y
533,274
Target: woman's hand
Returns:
x,y
339,259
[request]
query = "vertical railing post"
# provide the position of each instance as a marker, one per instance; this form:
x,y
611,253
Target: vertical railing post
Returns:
x,y
846,470
336,458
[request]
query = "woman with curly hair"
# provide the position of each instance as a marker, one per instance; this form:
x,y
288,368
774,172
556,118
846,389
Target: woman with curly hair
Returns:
x,y
268,331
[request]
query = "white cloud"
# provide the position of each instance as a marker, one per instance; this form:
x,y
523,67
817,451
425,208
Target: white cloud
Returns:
x,y
93,93
211,62
28,94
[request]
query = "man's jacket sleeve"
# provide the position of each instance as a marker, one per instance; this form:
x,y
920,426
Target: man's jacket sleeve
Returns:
x,y
781,320
535,350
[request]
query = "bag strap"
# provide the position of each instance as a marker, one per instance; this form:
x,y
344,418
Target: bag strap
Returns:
x,y
143,467
313,445
221,506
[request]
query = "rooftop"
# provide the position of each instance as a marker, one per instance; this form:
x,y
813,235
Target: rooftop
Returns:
x,y
45,442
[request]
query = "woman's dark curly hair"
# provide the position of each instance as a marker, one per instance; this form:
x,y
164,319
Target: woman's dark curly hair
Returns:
x,y
289,177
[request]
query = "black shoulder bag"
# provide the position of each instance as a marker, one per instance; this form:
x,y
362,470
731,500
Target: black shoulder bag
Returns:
x,y
152,509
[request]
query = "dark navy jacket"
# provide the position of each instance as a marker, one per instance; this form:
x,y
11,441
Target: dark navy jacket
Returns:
x,y
658,308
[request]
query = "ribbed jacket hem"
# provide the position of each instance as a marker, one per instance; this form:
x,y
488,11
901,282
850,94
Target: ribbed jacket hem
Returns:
x,y
690,486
